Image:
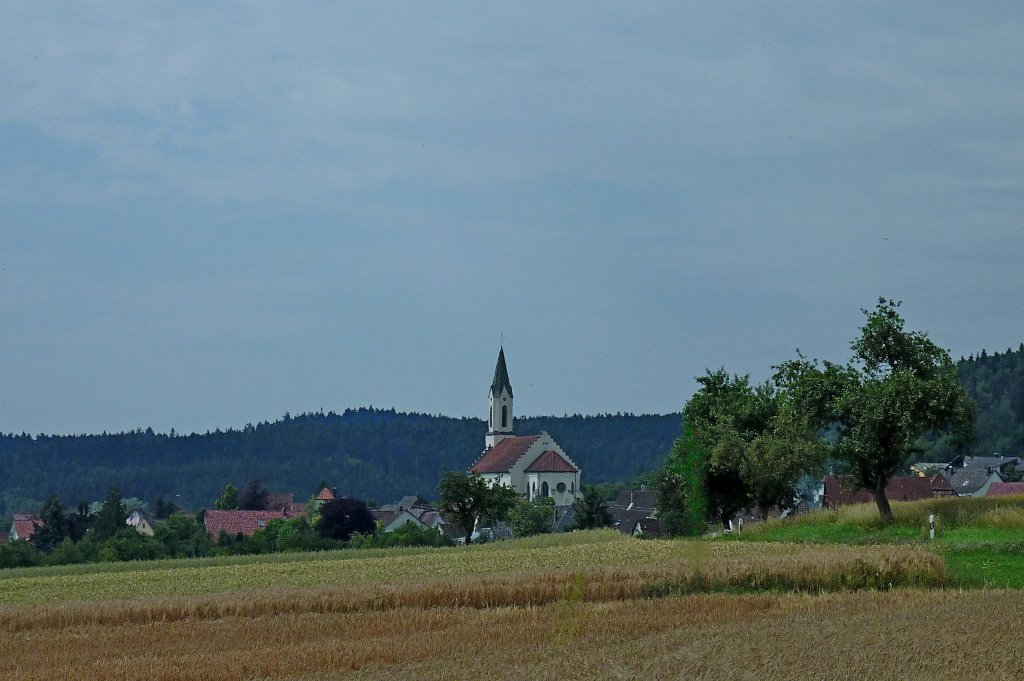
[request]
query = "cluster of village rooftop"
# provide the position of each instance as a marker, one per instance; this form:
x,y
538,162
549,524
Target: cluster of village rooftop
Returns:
x,y
537,467
633,512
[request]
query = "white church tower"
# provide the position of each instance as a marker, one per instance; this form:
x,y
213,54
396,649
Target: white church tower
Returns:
x,y
534,465
499,419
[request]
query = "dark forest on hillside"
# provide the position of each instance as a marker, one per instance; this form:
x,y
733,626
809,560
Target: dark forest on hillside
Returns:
x,y
996,384
380,454
373,454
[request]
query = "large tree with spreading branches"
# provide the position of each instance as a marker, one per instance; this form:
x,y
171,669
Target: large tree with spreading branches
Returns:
x,y
898,387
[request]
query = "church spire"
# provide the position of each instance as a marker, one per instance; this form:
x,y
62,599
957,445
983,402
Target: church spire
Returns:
x,y
499,417
500,376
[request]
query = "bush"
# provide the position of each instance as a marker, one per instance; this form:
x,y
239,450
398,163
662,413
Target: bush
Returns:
x,y
297,535
66,553
182,537
128,544
530,518
19,553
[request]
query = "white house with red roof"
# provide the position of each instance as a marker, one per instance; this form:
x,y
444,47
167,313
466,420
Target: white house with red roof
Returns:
x,y
535,465
24,526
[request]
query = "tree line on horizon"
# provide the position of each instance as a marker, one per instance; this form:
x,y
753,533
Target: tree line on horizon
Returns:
x,y
375,454
381,454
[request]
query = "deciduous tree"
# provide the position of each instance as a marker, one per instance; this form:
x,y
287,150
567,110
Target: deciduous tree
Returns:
x,y
743,446
228,499
341,518
529,518
253,496
591,509
897,387
466,498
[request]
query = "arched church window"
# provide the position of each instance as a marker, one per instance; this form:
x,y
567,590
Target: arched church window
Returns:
x,y
544,489
560,487
504,416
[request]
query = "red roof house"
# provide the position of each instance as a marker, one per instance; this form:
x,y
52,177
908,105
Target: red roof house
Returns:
x,y
278,501
238,522
1002,489
841,492
24,526
941,486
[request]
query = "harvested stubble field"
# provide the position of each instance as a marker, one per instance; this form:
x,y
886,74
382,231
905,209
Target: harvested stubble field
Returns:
x,y
581,606
903,634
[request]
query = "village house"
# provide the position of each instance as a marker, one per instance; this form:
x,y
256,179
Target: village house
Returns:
x,y
285,503
842,492
971,476
323,496
534,465
24,526
246,523
409,509
634,512
141,521
971,482
997,462
1002,489
414,509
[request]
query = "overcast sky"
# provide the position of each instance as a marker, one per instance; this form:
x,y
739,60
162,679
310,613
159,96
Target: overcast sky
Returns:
x,y
214,213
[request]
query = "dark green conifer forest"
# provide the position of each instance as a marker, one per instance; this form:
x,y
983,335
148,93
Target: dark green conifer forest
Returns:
x,y
380,455
373,454
996,384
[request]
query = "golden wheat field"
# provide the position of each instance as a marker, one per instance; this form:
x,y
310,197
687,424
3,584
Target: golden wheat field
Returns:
x,y
904,634
760,565
592,605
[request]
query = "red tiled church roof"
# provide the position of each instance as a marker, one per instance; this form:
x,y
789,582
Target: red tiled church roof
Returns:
x,y
550,462
1002,489
502,456
325,494
233,522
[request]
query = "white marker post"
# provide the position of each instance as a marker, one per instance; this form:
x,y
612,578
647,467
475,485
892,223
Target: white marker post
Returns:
x,y
931,526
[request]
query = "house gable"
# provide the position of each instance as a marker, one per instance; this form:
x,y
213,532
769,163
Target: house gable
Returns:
x,y
24,526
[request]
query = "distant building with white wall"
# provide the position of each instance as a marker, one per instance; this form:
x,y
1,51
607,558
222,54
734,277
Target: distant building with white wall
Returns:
x,y
535,465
